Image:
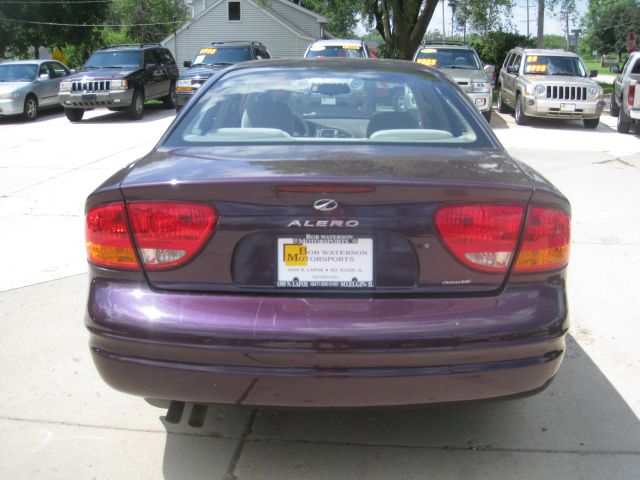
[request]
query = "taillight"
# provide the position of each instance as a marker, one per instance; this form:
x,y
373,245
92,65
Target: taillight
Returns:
x,y
483,237
167,235
631,93
107,238
545,245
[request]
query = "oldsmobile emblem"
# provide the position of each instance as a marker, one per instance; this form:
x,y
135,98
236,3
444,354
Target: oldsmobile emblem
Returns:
x,y
325,205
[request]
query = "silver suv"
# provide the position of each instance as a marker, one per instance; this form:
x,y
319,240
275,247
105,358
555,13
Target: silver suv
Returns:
x,y
551,84
462,64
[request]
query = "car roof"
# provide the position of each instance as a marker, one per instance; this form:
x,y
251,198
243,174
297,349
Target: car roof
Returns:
x,y
35,61
546,51
135,47
235,43
446,45
336,42
342,65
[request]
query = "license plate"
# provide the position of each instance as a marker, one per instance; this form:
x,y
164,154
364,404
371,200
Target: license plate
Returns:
x,y
567,107
89,98
325,261
328,101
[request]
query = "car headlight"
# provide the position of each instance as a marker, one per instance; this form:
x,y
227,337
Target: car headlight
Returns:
x,y
593,91
481,87
539,90
185,86
65,86
119,84
10,95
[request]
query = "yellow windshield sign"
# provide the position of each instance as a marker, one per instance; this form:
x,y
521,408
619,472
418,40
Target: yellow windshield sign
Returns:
x,y
532,58
429,50
351,47
536,68
429,62
208,51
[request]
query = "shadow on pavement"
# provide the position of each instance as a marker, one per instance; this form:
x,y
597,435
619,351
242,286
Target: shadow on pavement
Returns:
x,y
497,121
580,427
151,112
43,115
558,124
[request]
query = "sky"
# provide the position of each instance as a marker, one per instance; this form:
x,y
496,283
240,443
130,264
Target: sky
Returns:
x,y
551,24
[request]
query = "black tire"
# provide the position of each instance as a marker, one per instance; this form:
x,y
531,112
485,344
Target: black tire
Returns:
x,y
135,111
521,117
170,100
30,111
487,116
624,122
74,114
502,107
591,122
614,110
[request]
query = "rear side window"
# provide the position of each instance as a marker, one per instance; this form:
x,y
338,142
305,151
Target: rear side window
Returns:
x,y
315,105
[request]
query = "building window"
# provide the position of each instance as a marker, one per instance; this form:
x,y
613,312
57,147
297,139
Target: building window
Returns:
x,y
234,11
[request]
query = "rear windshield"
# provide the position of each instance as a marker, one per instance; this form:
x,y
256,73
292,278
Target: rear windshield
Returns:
x,y
119,59
449,58
226,55
23,72
554,65
332,105
325,51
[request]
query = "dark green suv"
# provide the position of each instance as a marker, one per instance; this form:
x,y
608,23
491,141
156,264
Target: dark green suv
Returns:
x,y
121,78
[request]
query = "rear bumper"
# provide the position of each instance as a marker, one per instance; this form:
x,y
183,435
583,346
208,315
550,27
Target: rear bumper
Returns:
x,y
112,99
634,113
318,352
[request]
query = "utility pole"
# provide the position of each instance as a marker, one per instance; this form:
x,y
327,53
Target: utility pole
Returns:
x,y
443,37
540,41
527,18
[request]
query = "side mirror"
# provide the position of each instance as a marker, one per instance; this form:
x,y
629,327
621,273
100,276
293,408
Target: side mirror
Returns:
x,y
258,57
489,68
187,63
615,69
593,73
513,69
43,76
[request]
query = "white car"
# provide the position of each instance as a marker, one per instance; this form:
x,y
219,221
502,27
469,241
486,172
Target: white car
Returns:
x,y
336,47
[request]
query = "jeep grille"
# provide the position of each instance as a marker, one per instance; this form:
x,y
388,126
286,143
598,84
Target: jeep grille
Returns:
x,y
566,93
95,86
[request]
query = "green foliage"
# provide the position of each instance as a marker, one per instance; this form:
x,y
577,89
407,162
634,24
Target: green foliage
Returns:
x,y
167,15
555,41
342,15
494,46
28,25
608,23
483,16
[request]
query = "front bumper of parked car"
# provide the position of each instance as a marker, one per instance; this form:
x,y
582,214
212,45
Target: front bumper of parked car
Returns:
x,y
12,106
110,99
570,109
325,352
482,101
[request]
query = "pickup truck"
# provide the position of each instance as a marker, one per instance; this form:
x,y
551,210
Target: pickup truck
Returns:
x,y
625,99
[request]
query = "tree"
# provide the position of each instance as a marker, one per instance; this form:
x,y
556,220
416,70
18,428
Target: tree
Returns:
x,y
565,11
483,16
147,21
401,23
342,15
608,23
33,25
494,46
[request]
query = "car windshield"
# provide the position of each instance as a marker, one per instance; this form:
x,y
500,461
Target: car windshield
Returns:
x,y
329,105
213,56
449,58
24,72
555,65
324,51
115,59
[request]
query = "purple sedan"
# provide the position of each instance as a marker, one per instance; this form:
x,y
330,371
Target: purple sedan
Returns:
x,y
295,239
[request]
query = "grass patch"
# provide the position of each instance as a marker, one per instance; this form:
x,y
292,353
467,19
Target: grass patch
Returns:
x,y
595,65
606,87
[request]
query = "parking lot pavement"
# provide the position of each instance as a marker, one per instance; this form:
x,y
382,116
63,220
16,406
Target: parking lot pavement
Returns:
x,y
59,420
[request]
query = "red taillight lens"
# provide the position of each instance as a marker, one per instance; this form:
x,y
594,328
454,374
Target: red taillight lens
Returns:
x,y
107,238
170,234
546,241
631,94
483,237
167,234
